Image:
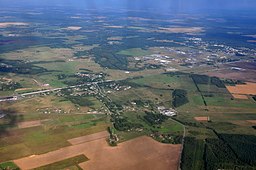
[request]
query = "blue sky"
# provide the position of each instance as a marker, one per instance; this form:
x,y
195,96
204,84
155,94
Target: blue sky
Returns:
x,y
161,5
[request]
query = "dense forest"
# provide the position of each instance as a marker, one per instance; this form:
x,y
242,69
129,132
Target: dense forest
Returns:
x,y
179,97
228,151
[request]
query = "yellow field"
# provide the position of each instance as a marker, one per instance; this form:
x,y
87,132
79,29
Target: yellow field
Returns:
x,y
239,91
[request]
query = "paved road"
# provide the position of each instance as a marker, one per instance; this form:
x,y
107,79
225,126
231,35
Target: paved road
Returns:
x,y
15,97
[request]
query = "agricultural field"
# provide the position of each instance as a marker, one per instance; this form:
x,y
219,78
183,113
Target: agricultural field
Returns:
x,y
142,146
134,102
126,89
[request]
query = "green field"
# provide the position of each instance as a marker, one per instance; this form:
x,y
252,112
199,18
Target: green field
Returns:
x,y
9,165
134,52
55,129
70,163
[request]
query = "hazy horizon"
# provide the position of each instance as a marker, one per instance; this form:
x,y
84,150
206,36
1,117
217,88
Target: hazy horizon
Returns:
x,y
162,5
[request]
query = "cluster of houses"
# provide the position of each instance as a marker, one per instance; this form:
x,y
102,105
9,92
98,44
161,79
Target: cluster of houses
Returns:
x,y
168,112
89,75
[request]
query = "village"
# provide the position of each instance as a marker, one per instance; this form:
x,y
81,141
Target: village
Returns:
x,y
205,54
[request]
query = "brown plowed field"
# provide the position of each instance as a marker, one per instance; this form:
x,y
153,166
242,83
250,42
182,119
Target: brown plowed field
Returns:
x,y
28,124
248,88
139,153
201,119
252,121
248,75
88,148
239,96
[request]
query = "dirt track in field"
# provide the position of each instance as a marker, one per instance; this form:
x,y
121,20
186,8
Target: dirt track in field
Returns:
x,y
136,154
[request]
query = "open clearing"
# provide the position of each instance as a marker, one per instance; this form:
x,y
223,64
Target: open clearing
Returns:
x,y
201,119
225,71
88,138
139,153
181,29
242,89
23,89
114,26
9,24
73,28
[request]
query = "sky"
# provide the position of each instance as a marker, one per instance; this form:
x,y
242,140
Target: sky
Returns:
x,y
158,5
